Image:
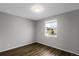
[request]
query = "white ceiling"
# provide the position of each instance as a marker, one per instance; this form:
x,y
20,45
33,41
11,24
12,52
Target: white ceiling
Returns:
x,y
50,9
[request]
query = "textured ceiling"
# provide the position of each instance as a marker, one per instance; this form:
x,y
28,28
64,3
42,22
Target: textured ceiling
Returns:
x,y
50,9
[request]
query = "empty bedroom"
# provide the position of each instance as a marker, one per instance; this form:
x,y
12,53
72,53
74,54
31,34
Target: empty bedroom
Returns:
x,y
39,29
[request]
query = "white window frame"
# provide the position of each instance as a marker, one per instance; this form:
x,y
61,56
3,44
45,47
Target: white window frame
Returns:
x,y
55,20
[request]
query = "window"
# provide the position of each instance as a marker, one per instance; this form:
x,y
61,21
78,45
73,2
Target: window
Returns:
x,y
51,28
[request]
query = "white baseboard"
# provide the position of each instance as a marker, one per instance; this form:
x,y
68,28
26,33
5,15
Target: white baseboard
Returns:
x,y
16,47
59,48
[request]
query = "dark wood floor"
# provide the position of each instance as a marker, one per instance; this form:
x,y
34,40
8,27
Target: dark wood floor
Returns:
x,y
36,49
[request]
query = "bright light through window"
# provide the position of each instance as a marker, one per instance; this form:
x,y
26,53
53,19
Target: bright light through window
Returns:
x,y
51,28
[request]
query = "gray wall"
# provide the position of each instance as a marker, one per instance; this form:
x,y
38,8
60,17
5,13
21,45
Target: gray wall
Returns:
x,y
68,32
15,31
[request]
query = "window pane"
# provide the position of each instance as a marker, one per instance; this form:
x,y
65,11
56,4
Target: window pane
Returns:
x,y
51,28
